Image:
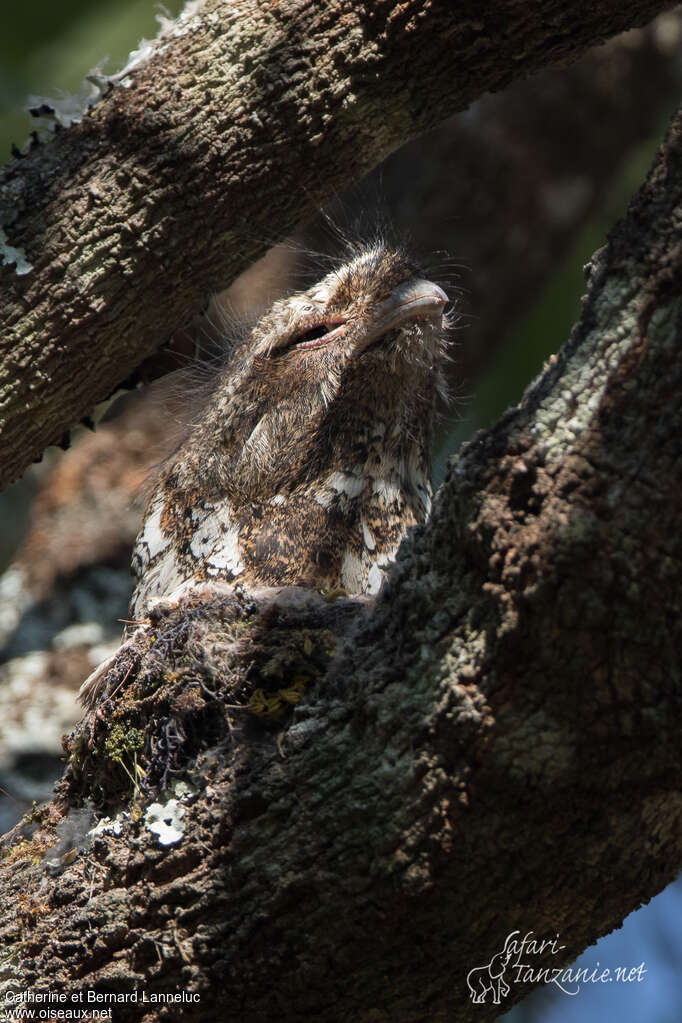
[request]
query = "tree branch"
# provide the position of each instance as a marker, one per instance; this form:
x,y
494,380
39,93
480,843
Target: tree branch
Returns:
x,y
495,748
235,123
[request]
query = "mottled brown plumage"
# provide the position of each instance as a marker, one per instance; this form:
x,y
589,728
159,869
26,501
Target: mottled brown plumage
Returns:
x,y
313,456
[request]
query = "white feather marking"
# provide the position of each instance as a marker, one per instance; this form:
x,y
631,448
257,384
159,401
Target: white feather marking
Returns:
x,y
353,573
203,539
228,557
152,536
370,542
160,579
387,489
375,580
324,497
216,542
346,483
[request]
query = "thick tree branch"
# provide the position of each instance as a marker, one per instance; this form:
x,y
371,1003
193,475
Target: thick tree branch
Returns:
x,y
241,118
496,748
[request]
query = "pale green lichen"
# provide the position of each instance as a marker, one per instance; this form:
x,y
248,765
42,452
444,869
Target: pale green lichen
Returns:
x,y
561,418
63,111
123,742
11,255
166,821
109,825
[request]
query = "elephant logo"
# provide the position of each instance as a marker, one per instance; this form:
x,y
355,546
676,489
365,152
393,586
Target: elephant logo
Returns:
x,y
485,980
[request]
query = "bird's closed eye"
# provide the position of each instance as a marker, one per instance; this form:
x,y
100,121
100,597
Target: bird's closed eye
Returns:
x,y
317,334
312,334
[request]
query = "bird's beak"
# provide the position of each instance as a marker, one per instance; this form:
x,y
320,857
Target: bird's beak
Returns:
x,y
409,302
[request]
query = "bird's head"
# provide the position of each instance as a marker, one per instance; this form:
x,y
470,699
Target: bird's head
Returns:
x,y
325,371
375,298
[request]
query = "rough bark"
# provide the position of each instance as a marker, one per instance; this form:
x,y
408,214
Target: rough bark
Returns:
x,y
496,748
230,129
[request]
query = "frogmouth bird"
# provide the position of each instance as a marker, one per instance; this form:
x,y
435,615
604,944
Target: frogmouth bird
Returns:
x,y
312,457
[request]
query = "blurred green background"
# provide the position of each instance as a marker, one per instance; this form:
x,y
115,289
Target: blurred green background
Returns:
x,y
542,332
47,48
